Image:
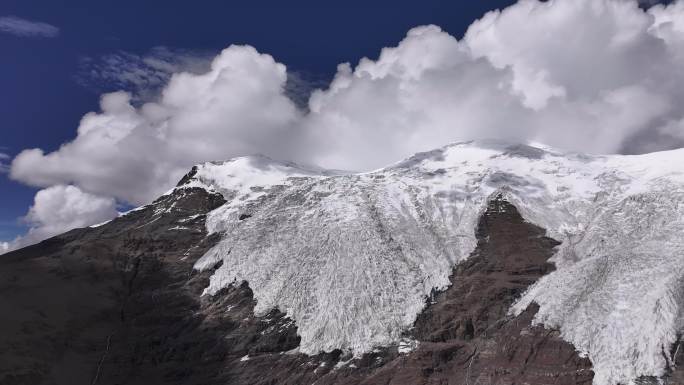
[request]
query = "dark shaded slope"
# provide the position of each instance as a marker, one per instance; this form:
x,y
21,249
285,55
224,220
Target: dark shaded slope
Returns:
x,y
94,305
120,304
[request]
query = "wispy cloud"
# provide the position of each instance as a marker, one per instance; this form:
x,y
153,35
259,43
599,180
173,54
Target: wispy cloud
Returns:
x,y
27,28
4,167
142,75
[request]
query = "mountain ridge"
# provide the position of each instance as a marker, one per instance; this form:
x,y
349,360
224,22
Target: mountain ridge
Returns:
x,y
439,195
408,225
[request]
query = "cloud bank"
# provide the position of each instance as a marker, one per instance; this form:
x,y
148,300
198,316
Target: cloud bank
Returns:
x,y
600,76
27,28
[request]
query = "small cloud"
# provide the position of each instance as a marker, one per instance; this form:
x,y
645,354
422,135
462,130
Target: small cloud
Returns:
x,y
27,28
58,209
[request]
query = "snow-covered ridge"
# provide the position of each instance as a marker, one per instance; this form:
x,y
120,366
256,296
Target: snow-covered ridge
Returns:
x,y
352,257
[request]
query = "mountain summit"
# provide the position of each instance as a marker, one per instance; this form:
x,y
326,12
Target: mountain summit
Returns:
x,y
432,268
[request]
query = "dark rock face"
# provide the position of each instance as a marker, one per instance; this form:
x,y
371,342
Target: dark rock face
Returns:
x,y
677,373
120,304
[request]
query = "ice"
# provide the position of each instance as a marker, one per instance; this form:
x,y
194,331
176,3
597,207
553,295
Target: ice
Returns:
x,y
351,258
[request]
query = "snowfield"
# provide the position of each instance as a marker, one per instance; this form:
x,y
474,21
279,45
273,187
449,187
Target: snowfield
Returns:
x,y
352,257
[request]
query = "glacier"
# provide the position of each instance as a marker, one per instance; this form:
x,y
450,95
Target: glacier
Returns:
x,y
352,257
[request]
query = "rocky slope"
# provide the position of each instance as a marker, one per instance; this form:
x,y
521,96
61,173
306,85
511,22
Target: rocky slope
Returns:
x,y
423,272
120,304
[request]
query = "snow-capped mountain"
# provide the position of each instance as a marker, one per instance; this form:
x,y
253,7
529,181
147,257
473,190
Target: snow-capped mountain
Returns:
x,y
255,271
351,258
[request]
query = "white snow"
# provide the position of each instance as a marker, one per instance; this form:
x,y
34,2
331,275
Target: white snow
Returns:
x,y
351,258
407,346
179,228
120,214
343,363
99,224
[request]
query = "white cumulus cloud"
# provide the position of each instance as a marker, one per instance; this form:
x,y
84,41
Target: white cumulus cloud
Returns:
x,y
27,28
600,76
588,75
61,208
135,154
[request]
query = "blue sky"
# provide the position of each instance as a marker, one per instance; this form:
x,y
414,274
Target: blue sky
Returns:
x,y
597,76
43,100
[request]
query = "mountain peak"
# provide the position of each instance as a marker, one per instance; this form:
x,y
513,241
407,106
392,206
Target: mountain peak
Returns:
x,y
344,264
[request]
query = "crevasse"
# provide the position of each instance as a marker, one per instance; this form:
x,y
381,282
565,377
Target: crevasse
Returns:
x,y
352,257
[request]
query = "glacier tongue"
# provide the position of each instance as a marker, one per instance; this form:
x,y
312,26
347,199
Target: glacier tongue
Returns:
x,y
620,293
351,258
